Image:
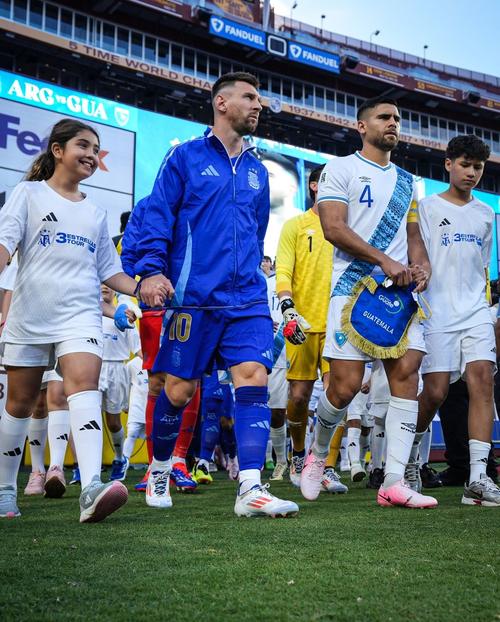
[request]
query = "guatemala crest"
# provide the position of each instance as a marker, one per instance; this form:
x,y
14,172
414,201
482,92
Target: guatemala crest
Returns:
x,y
253,179
378,315
340,338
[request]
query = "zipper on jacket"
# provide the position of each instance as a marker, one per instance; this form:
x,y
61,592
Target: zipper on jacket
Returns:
x,y
233,169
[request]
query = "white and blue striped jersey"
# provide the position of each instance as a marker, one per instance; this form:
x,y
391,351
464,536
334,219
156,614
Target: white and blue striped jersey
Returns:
x,y
379,200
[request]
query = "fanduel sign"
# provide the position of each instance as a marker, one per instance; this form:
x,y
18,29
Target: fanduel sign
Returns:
x,y
233,31
313,57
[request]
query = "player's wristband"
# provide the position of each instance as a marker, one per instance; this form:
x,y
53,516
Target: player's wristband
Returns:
x,y
137,290
286,303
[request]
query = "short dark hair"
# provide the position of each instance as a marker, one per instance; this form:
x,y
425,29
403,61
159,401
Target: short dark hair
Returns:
x,y
368,104
230,78
266,257
468,145
314,175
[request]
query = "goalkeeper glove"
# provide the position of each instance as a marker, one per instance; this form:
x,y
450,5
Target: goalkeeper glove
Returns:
x,y
295,324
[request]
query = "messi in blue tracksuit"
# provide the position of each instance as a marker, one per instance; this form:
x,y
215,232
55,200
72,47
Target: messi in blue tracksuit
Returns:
x,y
203,233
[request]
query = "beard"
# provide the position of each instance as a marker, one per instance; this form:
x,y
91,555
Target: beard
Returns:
x,y
385,143
244,127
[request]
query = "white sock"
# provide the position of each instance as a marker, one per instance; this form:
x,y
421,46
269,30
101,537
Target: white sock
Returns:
x,y
479,451
353,435
118,439
135,430
378,442
13,433
37,439
364,442
248,479
203,462
400,424
344,457
160,465
269,451
425,446
86,429
58,431
416,447
278,440
327,418
176,459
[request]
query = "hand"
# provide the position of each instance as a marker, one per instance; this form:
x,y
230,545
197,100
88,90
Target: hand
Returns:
x,y
154,290
397,272
365,388
126,315
420,276
295,324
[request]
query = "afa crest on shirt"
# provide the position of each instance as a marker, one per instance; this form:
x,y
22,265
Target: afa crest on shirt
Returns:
x,y
253,179
46,237
445,239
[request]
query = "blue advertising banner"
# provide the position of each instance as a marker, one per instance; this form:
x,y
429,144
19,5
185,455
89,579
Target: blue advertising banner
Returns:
x,y
66,101
315,58
238,33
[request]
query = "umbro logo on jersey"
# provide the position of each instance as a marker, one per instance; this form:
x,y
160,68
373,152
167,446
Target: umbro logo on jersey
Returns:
x,y
211,171
93,341
91,425
50,218
444,222
13,452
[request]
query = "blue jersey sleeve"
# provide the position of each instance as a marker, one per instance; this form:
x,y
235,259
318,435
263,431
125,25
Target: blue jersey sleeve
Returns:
x,y
263,211
130,236
159,217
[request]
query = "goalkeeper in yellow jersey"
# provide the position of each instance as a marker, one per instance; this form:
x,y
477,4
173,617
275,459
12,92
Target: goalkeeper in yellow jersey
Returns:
x,y
303,278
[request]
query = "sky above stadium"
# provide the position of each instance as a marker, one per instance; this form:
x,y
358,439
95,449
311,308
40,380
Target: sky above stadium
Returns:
x,y
458,32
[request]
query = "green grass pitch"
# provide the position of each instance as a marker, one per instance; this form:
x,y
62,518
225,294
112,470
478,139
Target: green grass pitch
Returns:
x,y
342,558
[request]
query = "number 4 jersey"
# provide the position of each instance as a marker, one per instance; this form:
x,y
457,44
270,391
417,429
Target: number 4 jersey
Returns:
x,y
380,201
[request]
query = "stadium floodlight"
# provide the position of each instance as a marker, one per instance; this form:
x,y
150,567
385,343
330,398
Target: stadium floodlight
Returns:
x,y
375,33
322,20
426,47
292,8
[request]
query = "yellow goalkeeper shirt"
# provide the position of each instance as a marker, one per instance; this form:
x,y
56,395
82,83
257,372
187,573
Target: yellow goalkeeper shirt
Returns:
x,y
304,267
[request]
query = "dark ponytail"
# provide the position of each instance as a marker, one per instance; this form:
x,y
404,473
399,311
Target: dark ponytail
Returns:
x,y
44,165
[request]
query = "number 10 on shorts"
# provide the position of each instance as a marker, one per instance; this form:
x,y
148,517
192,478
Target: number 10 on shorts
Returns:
x,y
180,327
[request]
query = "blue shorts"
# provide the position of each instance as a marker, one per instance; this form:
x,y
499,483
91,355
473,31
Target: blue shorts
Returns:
x,y
195,340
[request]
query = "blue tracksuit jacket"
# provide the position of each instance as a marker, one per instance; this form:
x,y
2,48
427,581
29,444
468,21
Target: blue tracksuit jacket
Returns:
x,y
204,225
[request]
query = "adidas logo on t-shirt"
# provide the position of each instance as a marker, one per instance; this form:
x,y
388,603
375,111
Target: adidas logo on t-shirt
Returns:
x,y
444,222
50,218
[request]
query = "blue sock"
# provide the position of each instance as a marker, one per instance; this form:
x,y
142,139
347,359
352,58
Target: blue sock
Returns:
x,y
166,425
228,441
210,428
252,418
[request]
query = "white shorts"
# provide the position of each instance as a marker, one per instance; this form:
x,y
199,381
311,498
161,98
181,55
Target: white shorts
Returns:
x,y
50,376
316,392
338,347
137,404
358,406
114,384
47,354
277,385
450,352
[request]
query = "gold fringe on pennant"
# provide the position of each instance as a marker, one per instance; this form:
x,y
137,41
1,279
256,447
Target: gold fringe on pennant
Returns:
x,y
360,342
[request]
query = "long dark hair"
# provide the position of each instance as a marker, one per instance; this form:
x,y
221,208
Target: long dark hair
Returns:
x,y
44,165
